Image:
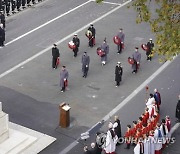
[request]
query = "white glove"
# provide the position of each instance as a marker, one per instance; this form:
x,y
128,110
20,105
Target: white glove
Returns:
x,y
86,65
137,62
64,79
121,42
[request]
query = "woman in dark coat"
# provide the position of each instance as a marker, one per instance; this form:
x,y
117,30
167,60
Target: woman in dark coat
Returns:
x,y
118,73
178,110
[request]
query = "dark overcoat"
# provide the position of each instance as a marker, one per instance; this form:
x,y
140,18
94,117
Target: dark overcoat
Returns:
x,y
85,61
178,110
118,73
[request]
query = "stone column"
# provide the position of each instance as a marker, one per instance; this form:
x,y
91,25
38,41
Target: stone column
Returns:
x,y
4,125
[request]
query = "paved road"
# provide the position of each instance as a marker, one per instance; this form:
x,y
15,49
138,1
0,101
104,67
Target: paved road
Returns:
x,y
30,93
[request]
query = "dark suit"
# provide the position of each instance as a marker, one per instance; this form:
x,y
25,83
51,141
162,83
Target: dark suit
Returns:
x,y
76,41
55,55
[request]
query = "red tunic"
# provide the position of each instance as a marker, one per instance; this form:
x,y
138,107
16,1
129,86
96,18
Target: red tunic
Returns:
x,y
128,135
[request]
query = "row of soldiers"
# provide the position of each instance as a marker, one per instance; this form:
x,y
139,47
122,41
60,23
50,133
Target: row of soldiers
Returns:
x,y
7,6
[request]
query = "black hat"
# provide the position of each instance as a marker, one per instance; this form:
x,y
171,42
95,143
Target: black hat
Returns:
x,y
55,44
91,24
136,48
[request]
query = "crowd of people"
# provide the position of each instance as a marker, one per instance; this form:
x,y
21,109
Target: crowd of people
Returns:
x,y
11,6
147,135
103,52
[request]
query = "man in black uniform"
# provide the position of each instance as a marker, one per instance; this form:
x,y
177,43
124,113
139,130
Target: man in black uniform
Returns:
x,y
28,2
76,41
118,73
7,3
23,4
55,56
150,46
13,6
92,37
18,5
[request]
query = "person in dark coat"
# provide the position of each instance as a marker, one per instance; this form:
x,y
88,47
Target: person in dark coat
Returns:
x,y
121,36
157,97
85,64
150,46
92,38
117,127
118,73
2,35
55,56
76,41
178,110
137,58
2,18
63,78
105,49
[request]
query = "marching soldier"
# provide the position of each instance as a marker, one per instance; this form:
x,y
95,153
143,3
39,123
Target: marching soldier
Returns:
x,y
13,6
150,46
76,41
121,36
55,56
118,73
85,64
63,78
92,37
137,58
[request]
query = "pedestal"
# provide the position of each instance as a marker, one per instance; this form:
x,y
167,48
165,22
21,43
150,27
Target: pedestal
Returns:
x,y
64,115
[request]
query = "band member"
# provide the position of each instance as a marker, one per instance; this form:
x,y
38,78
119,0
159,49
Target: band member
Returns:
x,y
2,35
137,58
3,20
85,64
118,73
121,36
63,78
157,97
105,49
76,41
150,46
92,37
55,56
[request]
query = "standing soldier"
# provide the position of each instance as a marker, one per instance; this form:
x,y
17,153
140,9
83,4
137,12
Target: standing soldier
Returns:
x,y
3,20
55,56
105,50
2,35
23,4
150,46
76,41
92,37
137,58
13,6
85,64
118,73
18,5
63,78
121,36
7,3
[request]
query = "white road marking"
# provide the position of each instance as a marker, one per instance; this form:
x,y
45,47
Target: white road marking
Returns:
x,y
47,23
109,2
60,41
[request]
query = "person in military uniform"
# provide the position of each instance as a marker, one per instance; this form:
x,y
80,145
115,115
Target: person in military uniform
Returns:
x,y
28,3
23,4
19,5
121,36
55,56
92,37
85,64
137,58
150,46
7,3
13,6
76,41
118,73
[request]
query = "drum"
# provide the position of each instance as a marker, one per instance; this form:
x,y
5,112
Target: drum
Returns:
x,y
71,45
116,40
100,53
144,47
88,34
130,60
